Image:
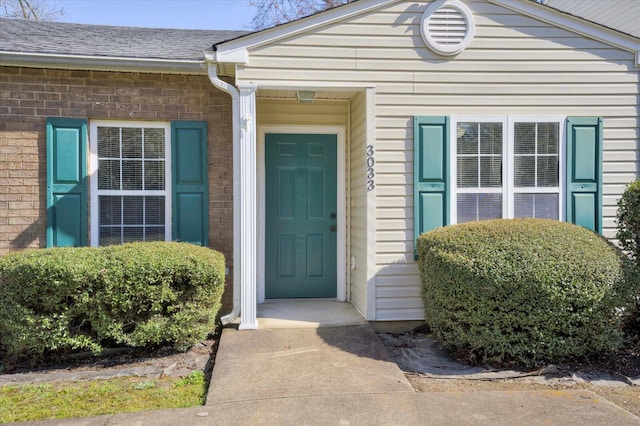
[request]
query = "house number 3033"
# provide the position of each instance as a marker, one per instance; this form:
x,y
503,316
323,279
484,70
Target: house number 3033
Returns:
x,y
371,162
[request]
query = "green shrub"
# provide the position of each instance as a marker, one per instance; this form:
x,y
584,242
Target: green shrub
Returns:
x,y
629,220
524,291
137,294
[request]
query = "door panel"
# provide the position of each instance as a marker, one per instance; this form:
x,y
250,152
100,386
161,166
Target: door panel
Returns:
x,y
301,203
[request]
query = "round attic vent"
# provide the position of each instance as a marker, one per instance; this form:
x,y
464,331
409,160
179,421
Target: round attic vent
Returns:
x,y
447,27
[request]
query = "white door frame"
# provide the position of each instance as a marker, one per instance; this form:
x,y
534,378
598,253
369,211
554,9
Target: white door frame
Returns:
x,y
341,212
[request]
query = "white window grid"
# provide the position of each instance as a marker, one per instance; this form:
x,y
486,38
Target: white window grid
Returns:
x,y
93,174
508,188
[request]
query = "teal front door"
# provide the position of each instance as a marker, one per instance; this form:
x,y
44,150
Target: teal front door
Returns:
x,y
300,234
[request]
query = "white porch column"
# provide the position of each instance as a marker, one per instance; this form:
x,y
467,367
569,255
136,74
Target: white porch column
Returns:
x,y
247,203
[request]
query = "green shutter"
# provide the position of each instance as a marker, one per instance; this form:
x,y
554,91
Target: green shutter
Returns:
x,y
430,174
584,172
66,182
189,177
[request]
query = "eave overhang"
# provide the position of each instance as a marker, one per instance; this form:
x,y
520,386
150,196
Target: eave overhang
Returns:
x,y
103,63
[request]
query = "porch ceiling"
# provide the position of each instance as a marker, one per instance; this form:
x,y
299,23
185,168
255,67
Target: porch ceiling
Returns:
x,y
327,95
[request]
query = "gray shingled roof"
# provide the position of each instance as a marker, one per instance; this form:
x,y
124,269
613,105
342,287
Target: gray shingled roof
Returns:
x,y
17,35
620,15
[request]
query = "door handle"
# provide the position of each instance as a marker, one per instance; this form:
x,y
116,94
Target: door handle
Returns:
x,y
332,215
333,228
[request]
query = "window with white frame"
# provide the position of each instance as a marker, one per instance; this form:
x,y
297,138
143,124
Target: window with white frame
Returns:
x,y
506,167
130,186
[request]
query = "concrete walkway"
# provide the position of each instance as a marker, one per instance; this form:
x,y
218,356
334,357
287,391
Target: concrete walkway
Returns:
x,y
303,362
342,375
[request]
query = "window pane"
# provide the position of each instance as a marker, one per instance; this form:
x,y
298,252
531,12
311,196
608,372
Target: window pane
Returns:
x,y
132,233
153,143
490,172
536,155
541,206
467,135
154,211
109,235
108,142
467,172
154,233
525,138
110,210
131,143
548,135
154,175
524,171
132,210
548,171
467,208
473,207
479,155
131,218
108,174
489,206
546,206
131,174
491,138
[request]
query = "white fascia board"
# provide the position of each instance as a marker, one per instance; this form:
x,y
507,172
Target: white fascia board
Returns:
x,y
236,50
237,56
574,24
99,63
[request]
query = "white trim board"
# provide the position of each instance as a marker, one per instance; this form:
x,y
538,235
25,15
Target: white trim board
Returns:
x,y
341,241
371,273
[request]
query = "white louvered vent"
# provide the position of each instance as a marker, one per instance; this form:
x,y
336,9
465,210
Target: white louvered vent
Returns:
x,y
447,27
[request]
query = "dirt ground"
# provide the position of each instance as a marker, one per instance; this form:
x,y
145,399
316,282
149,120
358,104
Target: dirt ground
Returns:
x,y
625,396
115,363
430,368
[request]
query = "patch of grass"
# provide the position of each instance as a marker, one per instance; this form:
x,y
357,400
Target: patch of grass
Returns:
x,y
79,399
193,379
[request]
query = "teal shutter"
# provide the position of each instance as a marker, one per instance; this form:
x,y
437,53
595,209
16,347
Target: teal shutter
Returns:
x,y
584,172
430,174
189,177
66,182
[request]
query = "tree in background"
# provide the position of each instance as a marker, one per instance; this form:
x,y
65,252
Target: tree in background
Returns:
x,y
274,12
35,10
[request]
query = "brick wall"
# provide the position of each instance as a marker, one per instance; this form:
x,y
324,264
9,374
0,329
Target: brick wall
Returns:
x,y
29,95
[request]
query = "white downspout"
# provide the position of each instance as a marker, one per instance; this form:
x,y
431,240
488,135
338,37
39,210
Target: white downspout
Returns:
x,y
235,119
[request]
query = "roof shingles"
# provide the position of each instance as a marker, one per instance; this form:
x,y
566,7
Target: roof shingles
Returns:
x,y
60,38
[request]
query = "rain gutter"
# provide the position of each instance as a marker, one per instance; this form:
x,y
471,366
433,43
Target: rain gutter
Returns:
x,y
101,63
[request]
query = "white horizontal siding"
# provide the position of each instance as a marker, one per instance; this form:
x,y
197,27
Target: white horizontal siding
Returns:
x,y
515,65
358,231
485,89
290,112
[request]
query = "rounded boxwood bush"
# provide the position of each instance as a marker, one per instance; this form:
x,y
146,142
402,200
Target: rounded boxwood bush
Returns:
x,y
524,291
136,294
628,218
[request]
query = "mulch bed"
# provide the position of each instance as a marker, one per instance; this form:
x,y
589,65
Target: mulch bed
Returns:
x,y
163,360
